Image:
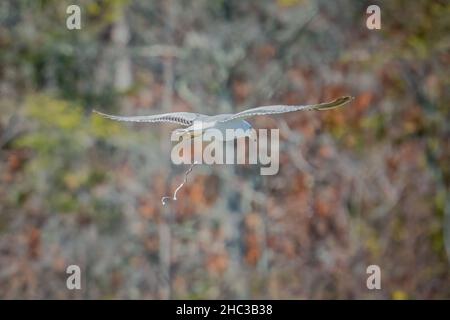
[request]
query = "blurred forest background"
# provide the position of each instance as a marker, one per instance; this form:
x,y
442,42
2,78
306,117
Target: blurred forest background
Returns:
x,y
360,185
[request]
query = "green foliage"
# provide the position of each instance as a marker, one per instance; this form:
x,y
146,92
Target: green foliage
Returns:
x,y
63,138
365,184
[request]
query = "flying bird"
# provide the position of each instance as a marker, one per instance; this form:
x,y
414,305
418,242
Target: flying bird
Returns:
x,y
196,124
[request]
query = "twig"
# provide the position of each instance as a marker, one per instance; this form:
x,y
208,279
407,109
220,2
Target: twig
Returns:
x,y
10,132
165,199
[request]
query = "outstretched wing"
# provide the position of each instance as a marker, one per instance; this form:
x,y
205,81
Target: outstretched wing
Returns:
x,y
268,110
183,118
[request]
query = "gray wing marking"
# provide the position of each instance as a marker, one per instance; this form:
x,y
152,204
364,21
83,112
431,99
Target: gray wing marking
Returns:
x,y
182,118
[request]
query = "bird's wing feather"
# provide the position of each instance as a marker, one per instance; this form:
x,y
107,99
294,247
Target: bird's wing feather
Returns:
x,y
277,109
183,118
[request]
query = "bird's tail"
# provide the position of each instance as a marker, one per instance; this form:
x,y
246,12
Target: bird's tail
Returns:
x,y
187,133
335,103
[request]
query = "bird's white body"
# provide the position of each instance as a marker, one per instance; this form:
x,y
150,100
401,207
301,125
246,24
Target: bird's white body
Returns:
x,y
223,131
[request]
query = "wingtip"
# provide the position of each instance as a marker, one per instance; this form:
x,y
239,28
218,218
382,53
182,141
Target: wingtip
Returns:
x,y
349,97
99,113
344,99
336,103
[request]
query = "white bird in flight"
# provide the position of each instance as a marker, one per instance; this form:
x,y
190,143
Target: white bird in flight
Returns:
x,y
198,123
